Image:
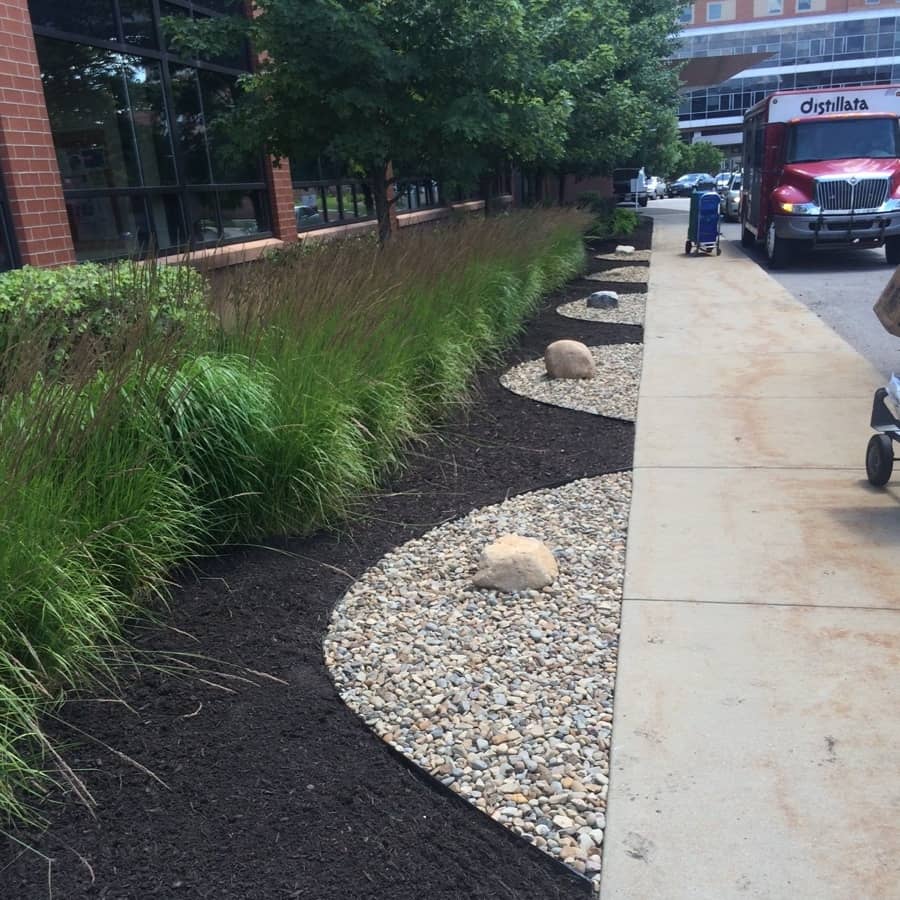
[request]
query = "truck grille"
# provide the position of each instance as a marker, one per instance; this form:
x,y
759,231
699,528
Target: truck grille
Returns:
x,y
840,195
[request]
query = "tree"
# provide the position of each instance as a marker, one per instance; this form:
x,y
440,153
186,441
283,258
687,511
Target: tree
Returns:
x,y
701,156
448,84
608,54
459,87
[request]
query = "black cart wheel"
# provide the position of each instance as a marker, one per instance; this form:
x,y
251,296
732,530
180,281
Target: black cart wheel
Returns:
x,y
718,250
687,247
879,459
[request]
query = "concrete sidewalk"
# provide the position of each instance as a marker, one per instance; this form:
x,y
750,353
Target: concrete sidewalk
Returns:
x,y
756,742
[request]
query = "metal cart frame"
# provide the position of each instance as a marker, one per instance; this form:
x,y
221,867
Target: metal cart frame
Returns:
x,y
880,450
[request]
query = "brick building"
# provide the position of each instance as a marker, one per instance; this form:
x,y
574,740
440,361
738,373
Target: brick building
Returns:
x,y
778,45
108,145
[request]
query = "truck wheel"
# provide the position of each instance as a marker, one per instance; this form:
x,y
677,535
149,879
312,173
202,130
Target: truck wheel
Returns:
x,y
778,250
643,201
748,238
879,459
892,251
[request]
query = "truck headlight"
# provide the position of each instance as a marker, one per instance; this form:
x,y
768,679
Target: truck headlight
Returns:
x,y
800,209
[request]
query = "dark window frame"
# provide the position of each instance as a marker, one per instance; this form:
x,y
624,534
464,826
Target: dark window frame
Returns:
x,y
7,232
182,188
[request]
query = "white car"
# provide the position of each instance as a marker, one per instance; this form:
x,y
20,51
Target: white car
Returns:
x,y
656,188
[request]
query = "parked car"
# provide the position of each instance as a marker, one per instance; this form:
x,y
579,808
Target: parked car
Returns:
x,y
687,184
656,188
731,198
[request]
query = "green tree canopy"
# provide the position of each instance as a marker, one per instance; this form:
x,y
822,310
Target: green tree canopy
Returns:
x,y
450,85
701,156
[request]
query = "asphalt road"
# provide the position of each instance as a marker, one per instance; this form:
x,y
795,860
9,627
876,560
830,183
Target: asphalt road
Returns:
x,y
839,286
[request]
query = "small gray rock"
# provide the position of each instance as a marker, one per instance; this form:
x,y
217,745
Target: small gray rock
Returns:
x,y
603,300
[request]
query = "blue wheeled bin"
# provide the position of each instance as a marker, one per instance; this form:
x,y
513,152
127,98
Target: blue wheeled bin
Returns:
x,y
703,223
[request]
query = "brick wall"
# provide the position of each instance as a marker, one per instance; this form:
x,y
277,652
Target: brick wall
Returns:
x,y
27,158
281,201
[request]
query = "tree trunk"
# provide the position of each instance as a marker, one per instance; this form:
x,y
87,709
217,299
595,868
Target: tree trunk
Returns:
x,y
562,188
484,188
385,200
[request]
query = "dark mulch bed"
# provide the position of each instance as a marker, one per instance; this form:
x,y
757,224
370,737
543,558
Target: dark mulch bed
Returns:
x,y
277,790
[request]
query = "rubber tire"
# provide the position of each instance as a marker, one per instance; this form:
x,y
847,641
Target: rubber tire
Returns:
x,y
643,201
687,248
748,238
892,251
879,460
778,250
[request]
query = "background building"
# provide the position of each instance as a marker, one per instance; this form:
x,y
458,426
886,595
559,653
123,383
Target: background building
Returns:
x,y
794,44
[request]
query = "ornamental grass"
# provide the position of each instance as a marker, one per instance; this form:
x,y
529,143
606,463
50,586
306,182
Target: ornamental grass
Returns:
x,y
272,409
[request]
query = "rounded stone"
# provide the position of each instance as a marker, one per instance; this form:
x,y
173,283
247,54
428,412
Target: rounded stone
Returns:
x,y
569,359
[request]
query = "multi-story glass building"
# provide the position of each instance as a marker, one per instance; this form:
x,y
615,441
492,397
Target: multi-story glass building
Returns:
x,y
789,44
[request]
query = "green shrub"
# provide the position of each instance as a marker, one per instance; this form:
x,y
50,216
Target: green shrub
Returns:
x,y
96,300
619,223
591,201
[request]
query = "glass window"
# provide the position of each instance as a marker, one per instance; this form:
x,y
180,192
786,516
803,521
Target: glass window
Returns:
x,y
775,7
138,27
308,207
687,15
100,138
713,12
203,218
190,129
123,132
843,139
229,165
243,215
804,5
91,18
103,227
7,244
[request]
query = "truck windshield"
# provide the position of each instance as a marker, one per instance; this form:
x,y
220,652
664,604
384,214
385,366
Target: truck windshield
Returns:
x,y
842,139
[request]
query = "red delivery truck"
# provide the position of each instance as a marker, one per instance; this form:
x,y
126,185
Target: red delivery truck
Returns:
x,y
821,169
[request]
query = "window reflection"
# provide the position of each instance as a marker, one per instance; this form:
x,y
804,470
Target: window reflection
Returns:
x,y
103,227
331,203
107,115
147,163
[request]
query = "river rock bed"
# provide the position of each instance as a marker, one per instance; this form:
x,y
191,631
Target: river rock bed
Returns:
x,y
506,698
625,258
630,310
626,274
613,392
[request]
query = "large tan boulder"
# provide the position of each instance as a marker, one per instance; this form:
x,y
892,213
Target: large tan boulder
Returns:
x,y
569,359
515,563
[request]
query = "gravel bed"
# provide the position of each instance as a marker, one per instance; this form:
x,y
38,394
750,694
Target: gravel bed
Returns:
x,y
507,699
630,310
625,257
623,273
613,392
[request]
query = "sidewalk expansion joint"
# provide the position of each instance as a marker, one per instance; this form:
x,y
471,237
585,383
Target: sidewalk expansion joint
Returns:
x,y
757,603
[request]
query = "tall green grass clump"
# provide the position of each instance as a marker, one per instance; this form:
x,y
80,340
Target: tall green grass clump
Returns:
x,y
171,420
368,345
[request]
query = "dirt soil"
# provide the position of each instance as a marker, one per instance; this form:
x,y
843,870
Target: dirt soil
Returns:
x,y
269,788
